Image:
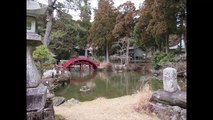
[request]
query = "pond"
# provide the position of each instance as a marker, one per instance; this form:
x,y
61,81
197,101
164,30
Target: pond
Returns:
x,y
106,84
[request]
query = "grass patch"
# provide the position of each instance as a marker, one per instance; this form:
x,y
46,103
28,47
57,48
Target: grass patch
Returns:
x,y
156,84
142,100
59,117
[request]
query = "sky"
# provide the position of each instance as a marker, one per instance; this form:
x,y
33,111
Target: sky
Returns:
x,y
94,4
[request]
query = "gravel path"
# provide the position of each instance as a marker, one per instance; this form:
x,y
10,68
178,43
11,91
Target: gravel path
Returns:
x,y
103,109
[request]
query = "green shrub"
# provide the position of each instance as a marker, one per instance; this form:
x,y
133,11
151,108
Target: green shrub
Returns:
x,y
44,59
168,58
160,58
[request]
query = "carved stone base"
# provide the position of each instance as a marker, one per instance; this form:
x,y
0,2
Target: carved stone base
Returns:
x,y
36,98
45,114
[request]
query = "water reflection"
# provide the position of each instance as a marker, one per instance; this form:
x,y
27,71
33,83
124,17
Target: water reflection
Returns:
x,y
101,84
78,79
106,84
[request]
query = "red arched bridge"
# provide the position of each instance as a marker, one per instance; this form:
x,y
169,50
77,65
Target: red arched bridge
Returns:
x,y
79,61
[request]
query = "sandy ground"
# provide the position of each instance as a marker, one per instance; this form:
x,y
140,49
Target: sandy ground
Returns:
x,y
120,108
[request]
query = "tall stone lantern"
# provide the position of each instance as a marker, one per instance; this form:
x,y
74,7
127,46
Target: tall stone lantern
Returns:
x,y
37,107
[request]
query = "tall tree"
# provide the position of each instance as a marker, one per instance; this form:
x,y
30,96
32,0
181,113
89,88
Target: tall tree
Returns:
x,y
50,10
158,20
124,24
100,32
142,36
85,15
85,11
181,14
80,5
66,35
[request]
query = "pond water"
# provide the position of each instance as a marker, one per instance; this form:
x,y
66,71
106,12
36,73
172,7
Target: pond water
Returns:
x,y
106,84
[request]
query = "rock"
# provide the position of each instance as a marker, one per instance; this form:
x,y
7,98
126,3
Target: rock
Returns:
x,y
66,74
73,101
53,72
155,74
58,101
166,112
49,73
177,109
183,114
50,95
176,99
85,89
170,83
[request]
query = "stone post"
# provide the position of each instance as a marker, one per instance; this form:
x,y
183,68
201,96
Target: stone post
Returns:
x,y
170,80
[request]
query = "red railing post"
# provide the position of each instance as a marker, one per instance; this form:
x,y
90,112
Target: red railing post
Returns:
x,y
70,72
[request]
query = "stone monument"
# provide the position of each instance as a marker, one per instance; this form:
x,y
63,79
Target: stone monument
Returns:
x,y
38,107
170,83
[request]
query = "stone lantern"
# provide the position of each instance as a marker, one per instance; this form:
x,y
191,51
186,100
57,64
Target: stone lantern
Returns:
x,y
36,91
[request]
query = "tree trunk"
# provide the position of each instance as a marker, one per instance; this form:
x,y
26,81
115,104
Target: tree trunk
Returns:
x,y
184,39
121,61
46,39
107,52
162,46
127,51
176,98
157,45
185,44
181,33
167,44
180,47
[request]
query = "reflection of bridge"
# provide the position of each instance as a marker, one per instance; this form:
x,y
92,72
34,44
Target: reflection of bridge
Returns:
x,y
81,79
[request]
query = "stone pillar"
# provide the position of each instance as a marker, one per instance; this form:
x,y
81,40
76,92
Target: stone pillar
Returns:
x,y
170,80
39,107
32,79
